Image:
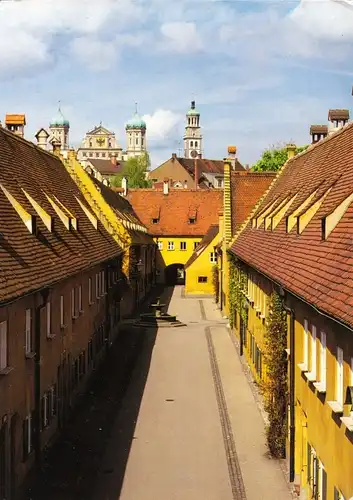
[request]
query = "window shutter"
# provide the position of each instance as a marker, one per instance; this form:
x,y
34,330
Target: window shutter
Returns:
x,y
324,485
309,463
3,345
42,414
28,332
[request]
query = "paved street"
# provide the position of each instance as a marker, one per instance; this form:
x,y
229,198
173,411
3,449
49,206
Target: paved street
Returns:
x,y
189,427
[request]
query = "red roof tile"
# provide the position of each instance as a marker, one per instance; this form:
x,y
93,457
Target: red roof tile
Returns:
x,y
28,261
208,166
174,209
319,270
106,167
247,189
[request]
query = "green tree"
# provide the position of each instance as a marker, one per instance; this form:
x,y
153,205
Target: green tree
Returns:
x,y
273,158
135,170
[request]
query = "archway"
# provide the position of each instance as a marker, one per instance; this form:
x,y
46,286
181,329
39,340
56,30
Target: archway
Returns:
x,y
174,275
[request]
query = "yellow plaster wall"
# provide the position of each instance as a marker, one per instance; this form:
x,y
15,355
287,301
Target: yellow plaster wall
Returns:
x,y
176,256
201,267
315,421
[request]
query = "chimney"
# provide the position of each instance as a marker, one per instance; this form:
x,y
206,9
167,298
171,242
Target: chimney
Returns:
x,y
318,132
71,154
174,156
338,119
166,186
113,159
56,144
196,172
227,201
232,155
291,149
124,185
42,138
16,124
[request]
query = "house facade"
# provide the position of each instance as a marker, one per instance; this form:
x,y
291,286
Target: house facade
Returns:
x,y
290,282
69,272
177,220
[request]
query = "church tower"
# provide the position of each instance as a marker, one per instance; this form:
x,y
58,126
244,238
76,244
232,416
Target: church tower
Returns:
x,y
135,136
192,137
59,129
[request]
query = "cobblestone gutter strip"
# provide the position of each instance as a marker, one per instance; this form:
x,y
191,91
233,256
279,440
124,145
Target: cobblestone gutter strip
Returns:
x,y
259,402
235,475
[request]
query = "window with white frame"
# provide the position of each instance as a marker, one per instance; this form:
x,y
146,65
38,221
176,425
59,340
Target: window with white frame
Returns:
x,y
339,377
323,357
3,345
80,308
322,484
29,332
196,243
48,319
183,245
90,301
27,436
160,245
304,365
73,303
213,257
170,245
311,375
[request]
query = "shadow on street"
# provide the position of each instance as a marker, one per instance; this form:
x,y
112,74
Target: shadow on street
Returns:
x,y
72,467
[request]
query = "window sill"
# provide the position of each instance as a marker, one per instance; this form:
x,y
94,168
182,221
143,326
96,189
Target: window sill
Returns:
x,y
6,371
310,376
303,367
335,406
348,422
30,355
51,336
63,327
90,303
75,317
320,387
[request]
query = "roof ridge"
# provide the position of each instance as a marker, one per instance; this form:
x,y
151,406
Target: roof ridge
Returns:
x,y
27,142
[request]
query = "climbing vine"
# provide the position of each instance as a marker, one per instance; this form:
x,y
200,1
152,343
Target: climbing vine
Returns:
x,y
275,388
237,289
215,282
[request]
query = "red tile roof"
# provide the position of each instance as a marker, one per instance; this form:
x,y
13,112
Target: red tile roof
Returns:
x,y
318,270
247,189
106,167
206,240
32,261
175,208
204,165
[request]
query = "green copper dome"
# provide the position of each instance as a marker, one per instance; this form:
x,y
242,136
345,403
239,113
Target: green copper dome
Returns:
x,y
59,120
136,122
192,111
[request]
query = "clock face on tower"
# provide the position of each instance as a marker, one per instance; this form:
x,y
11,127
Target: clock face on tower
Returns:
x,y
193,153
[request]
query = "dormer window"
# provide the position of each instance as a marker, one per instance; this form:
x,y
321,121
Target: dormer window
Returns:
x,y
192,220
155,221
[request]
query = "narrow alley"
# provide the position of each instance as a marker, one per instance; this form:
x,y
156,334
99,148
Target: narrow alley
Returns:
x,y
185,428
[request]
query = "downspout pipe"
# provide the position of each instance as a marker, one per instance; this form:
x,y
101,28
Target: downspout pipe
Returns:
x,y
291,393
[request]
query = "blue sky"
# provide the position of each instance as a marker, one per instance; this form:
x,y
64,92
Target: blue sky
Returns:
x,y
261,72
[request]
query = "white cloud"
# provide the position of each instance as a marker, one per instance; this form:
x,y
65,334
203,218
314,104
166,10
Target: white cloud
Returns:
x,y
181,37
95,54
328,19
161,123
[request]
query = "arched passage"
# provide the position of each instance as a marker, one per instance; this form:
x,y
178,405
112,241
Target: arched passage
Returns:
x,y
174,275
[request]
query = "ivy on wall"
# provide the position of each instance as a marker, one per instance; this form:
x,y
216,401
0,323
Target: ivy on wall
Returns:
x,y
215,281
237,289
275,387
